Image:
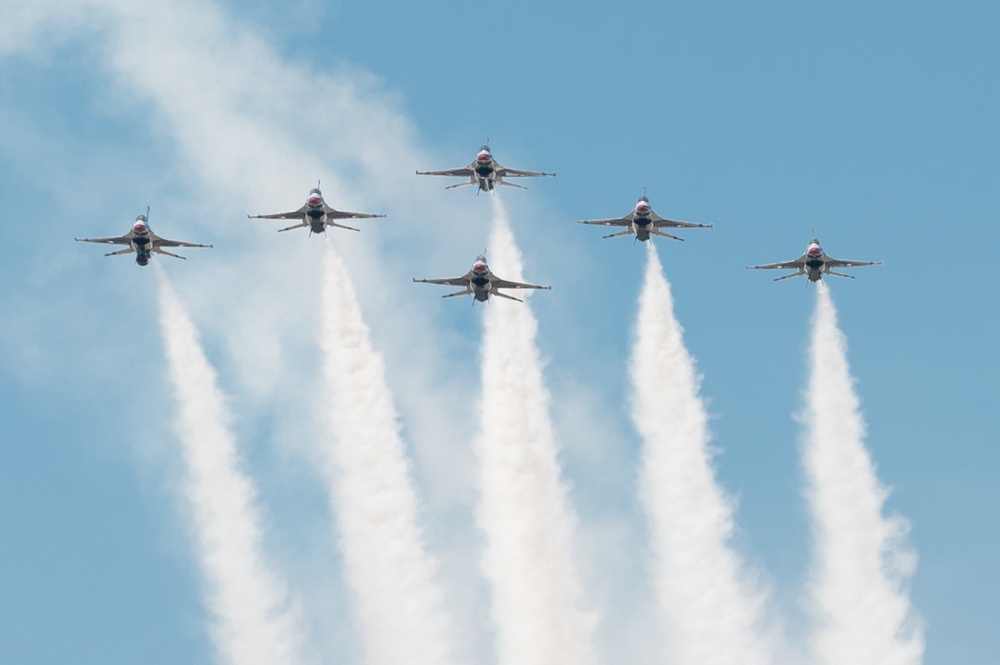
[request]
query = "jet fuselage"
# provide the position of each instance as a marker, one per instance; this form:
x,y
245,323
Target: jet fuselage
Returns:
x,y
641,226
141,242
316,212
815,262
642,220
481,284
316,218
485,171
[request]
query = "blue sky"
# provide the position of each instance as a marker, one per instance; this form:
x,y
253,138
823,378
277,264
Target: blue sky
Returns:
x,y
875,125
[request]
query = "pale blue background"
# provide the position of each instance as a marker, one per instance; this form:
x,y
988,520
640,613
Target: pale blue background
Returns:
x,y
875,123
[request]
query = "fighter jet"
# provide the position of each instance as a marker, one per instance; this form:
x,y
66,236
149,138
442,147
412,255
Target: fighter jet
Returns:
x,y
814,264
643,222
141,240
316,215
486,172
481,282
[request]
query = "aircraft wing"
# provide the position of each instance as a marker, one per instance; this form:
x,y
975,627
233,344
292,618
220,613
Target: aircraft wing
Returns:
x,y
116,240
505,284
661,222
464,280
840,263
464,172
163,242
614,221
339,214
505,172
785,265
295,214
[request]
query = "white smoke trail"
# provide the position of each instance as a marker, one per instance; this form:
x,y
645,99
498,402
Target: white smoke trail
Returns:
x,y
400,608
713,615
253,620
524,509
863,610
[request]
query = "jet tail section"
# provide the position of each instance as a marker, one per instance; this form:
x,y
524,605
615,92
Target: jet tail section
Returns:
x,y
839,274
127,250
509,184
620,233
463,292
794,274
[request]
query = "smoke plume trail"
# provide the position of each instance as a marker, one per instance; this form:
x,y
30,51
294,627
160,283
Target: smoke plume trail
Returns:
x,y
524,509
863,611
400,608
253,621
712,614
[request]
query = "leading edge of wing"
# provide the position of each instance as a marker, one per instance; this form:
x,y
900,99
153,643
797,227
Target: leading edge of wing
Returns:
x,y
786,265
116,240
677,224
447,281
460,173
504,284
504,172
614,221
294,214
163,242
340,214
844,263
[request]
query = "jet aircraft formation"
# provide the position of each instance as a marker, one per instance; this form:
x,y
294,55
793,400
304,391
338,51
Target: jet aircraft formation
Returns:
x,y
480,282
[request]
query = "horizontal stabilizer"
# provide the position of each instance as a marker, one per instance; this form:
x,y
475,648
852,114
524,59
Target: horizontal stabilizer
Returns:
x,y
341,226
504,295
620,233
657,232
163,251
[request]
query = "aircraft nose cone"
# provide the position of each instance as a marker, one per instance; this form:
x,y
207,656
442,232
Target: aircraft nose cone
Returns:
x,y
139,227
483,156
479,267
314,200
642,208
814,251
